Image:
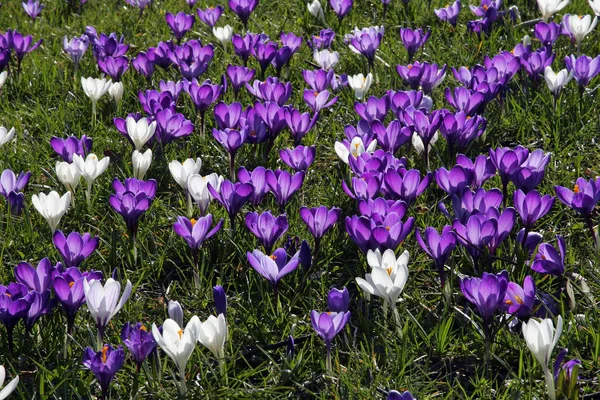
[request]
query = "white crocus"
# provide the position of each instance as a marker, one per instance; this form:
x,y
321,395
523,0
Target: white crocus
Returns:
x,y
178,343
5,135
595,4
542,338
316,10
52,206
8,389
387,278
223,34
181,172
198,189
326,59
103,301
550,7
418,144
141,162
579,26
90,168
95,88
3,76
116,92
357,147
556,81
213,334
140,131
360,84
68,175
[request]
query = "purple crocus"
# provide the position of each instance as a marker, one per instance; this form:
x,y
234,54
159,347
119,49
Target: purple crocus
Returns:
x,y
192,58
74,248
321,41
32,8
171,126
264,52
536,62
532,206
317,101
232,196
66,148
114,67
379,231
568,370
272,89
481,169
220,300
438,247
139,341
243,9
14,305
179,24
454,181
486,293
319,220
143,65
267,228
476,233
11,187
273,267
531,171
227,116
203,95
68,288
396,395
76,48
284,185
393,137
38,279
520,301
548,260
449,13
508,161
366,41
211,15
104,364
405,185
584,68
413,40
583,198
232,140
243,46
132,199
239,76
22,46
328,325
547,33
341,7
463,99
196,232
299,158
258,180
338,300
299,123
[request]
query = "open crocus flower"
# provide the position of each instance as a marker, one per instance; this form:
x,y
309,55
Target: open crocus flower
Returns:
x,y
132,199
196,232
103,301
5,135
541,338
104,364
181,172
38,279
10,387
52,206
354,148
550,261
583,198
387,278
577,27
584,68
550,7
90,169
532,206
75,247
360,84
211,15
212,333
520,301
178,343
328,325
179,24
68,288
273,267
449,13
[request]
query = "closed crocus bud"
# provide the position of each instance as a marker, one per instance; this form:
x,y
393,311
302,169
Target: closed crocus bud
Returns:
x,y
141,162
223,34
140,131
577,27
175,312
326,59
116,92
316,10
52,206
3,76
220,299
556,81
338,300
68,175
213,334
95,88
360,84
6,135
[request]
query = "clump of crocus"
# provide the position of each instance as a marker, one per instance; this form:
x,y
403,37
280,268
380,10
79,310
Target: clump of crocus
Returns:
x,y
104,364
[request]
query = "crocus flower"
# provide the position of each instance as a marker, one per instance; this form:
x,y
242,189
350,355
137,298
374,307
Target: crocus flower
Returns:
x,y
143,65
68,175
223,34
220,300
360,84
396,395
550,7
179,24
14,305
139,341
387,278
104,364
103,300
243,9
258,179
338,300
595,5
550,261
22,46
566,374
532,206
366,41
518,300
198,189
319,220
547,33
178,343
10,387
52,206
379,231
487,293
273,267
182,172
139,132
541,338
438,247
211,15
532,171
299,158
75,48
393,137
11,187
239,76
413,40
341,7
449,13
38,279
355,148
232,196
196,232
583,198
95,88
90,169
6,135
578,27
66,148
3,74
284,185
267,228
141,162
132,199
316,10
328,325
212,333
556,81
68,287
326,59
405,185
583,68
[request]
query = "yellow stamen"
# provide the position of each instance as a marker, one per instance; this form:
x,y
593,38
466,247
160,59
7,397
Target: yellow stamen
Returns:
x,y
104,351
8,294
180,332
576,188
519,300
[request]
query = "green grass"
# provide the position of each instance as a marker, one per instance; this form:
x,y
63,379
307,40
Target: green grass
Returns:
x,y
440,353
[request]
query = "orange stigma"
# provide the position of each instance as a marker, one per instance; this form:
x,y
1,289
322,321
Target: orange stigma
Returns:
x,y
508,302
143,328
576,188
273,257
71,284
104,351
389,271
409,66
180,332
387,228
315,94
193,221
485,7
